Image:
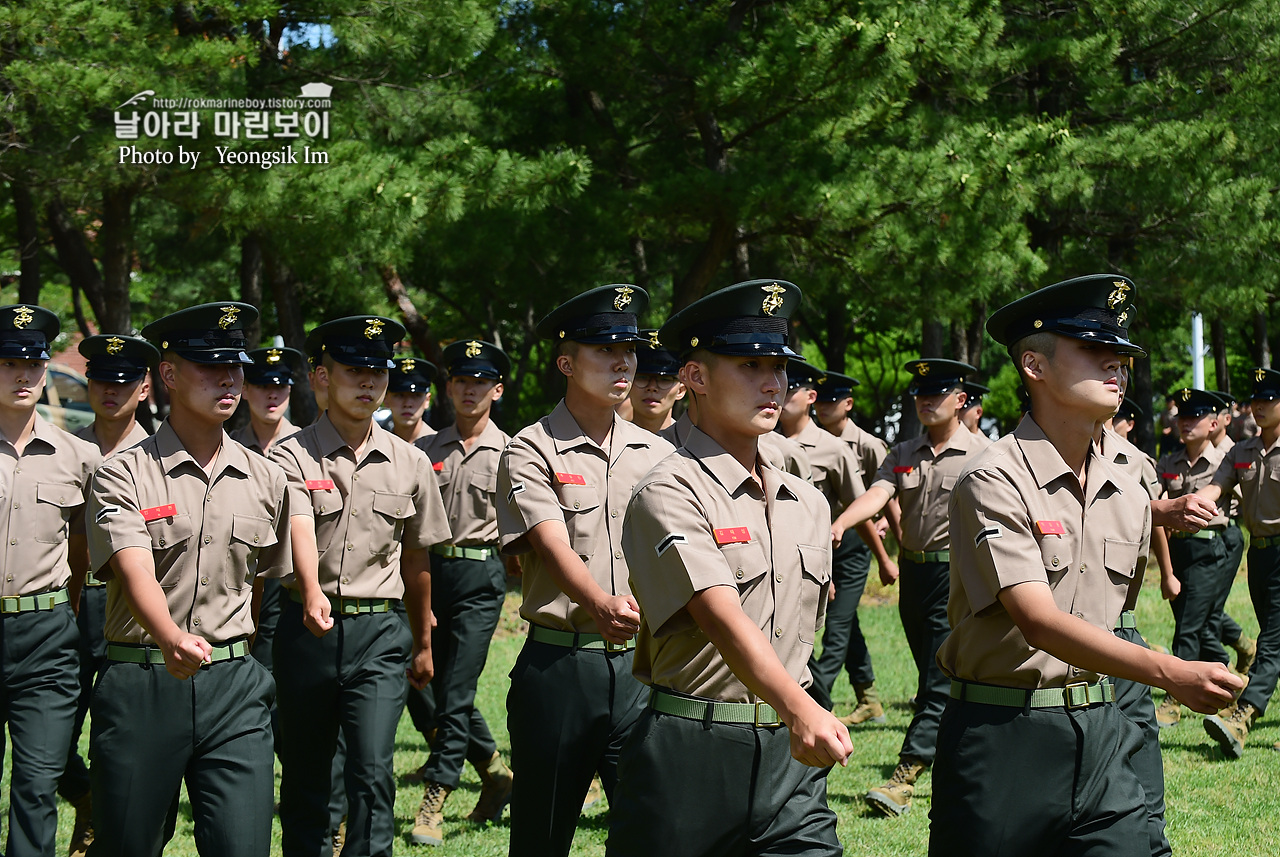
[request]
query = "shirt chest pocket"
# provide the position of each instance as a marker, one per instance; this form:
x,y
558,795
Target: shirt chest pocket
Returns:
x,y
1121,559
909,480
945,484
249,535
750,570
577,504
1057,556
1250,474
326,507
172,534
56,502
481,491
815,569
1175,483
390,513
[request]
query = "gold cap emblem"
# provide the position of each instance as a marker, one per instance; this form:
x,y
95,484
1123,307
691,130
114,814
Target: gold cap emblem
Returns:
x,y
473,349
115,345
229,314
922,369
1123,318
374,329
1117,295
1186,394
1260,374
654,342
22,316
274,355
623,299
693,343
773,300
408,364
1039,324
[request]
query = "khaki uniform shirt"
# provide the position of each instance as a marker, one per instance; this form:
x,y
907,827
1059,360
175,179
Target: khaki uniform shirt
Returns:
x,y
209,535
699,520
1136,464
1018,515
922,483
1225,444
366,511
468,481
133,437
983,439
1178,476
246,436
1256,473
43,493
868,450
551,471
835,470
782,452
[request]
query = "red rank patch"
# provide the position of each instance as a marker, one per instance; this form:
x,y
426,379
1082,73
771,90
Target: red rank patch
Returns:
x,y
155,513
1168,476
732,536
905,469
438,466
319,484
1243,465
571,479
1050,528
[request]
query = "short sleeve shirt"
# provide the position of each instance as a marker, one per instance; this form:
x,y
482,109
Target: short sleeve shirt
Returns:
x,y
1255,471
783,453
135,435
835,470
923,481
43,493
209,535
1134,462
1225,444
1019,515
468,481
868,450
248,438
699,520
1179,476
551,471
366,510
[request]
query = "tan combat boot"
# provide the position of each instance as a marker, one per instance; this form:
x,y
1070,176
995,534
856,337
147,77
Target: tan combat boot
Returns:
x,y
894,797
428,826
339,838
1169,713
868,709
82,832
496,781
1246,654
593,794
1230,728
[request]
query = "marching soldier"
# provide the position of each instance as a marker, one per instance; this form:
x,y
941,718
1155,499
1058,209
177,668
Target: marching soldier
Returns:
x,y
563,487
409,396
118,383
366,509
1254,466
44,477
468,584
1047,536
1228,630
657,386
183,525
730,560
267,385
921,472
971,413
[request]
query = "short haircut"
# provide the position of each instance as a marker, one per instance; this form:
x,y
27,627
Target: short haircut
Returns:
x,y
1042,343
567,347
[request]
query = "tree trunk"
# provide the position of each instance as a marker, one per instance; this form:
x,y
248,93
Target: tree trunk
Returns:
x,y
721,238
1140,390
251,283
289,319
423,340
74,257
1218,346
116,242
1261,346
28,244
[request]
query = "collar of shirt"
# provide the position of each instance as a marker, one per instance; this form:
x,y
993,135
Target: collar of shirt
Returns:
x,y
47,433
1112,446
808,436
1209,457
1047,465
730,473
173,454
330,441
962,440
567,434
490,438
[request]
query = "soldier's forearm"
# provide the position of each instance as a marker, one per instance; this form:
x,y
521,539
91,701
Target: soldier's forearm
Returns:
x,y
135,570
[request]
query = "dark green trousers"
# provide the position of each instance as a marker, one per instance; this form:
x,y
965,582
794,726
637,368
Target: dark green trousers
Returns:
x,y
923,589
150,731
353,679
1225,629
842,642
1134,701
685,788
1201,565
568,713
1011,782
39,668
1264,591
466,597
74,782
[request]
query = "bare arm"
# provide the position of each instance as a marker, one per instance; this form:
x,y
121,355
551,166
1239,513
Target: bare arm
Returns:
x,y
78,562
306,571
1189,513
616,616
135,570
1204,687
862,509
893,512
415,570
818,739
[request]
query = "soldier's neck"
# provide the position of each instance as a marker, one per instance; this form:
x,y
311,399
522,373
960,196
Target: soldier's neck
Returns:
x,y
470,428
837,428
267,432
201,438
409,432
1196,448
654,426
109,433
354,432
16,425
791,428
943,432
1269,435
593,417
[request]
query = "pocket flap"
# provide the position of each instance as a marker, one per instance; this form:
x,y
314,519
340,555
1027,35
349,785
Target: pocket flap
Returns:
x,y
61,494
577,498
167,532
745,561
1120,557
253,531
815,564
398,506
326,502
1053,549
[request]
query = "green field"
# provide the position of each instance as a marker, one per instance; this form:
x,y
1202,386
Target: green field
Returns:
x,y
1215,806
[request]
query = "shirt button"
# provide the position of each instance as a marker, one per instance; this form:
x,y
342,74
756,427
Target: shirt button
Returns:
x,y
355,478
195,621
255,540
17,505
576,504
740,574
13,541
162,543
346,580
17,470
204,581
322,508
350,546
9,577
397,511
354,512
208,539
1079,615
1055,562
208,498
1082,566
613,514
777,632
617,554
778,578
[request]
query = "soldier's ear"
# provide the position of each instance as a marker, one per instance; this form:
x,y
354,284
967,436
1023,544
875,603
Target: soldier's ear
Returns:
x,y
1031,364
565,364
694,376
497,391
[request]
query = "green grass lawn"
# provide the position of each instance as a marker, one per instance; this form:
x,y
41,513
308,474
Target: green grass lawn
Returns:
x,y
1216,806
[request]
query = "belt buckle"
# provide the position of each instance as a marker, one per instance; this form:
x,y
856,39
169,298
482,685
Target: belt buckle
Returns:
x,y
614,648
1069,693
11,603
756,721
349,606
